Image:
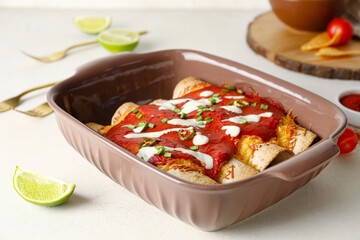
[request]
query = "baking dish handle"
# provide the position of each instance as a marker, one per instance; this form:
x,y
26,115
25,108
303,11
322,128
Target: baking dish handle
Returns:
x,y
306,161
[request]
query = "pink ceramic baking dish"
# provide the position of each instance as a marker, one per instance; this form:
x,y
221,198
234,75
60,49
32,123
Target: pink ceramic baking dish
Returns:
x,y
95,91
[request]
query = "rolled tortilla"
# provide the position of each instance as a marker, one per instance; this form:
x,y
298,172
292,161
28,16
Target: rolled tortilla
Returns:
x,y
257,154
177,170
252,151
292,136
122,112
233,171
188,85
192,176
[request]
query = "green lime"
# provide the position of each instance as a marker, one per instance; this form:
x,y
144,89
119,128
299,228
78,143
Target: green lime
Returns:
x,y
40,189
118,39
92,25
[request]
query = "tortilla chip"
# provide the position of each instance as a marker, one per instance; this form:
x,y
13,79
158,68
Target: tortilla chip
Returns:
x,y
334,52
320,41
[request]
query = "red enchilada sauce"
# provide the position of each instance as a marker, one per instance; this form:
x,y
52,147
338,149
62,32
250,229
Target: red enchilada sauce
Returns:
x,y
351,101
205,134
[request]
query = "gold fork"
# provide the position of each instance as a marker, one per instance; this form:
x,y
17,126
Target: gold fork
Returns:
x,y
57,55
15,101
61,54
40,111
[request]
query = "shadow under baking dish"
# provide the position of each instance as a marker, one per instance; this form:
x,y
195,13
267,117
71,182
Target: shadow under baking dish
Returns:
x,y
98,88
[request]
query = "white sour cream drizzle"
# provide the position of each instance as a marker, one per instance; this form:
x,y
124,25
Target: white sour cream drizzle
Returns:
x,y
188,107
249,118
200,139
192,105
206,93
232,131
138,129
232,108
186,122
170,104
154,134
147,152
234,97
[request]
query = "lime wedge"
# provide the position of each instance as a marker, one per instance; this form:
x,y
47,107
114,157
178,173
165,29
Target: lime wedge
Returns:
x,y
92,25
40,189
118,39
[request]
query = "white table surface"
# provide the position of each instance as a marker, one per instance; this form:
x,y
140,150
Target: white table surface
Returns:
x,y
326,208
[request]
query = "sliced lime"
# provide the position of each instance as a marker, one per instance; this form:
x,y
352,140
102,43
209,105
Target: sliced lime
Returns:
x,y
40,189
92,25
118,39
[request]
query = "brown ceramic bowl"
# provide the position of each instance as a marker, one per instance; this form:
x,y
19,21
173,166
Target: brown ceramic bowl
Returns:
x,y
95,91
308,15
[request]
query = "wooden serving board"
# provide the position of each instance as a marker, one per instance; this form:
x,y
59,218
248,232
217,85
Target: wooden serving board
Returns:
x,y
271,38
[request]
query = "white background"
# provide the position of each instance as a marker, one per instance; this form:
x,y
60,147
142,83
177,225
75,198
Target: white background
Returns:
x,y
217,4
328,207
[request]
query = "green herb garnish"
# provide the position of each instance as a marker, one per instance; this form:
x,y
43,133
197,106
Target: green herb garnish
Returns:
x,y
230,87
209,120
264,107
167,154
183,115
139,115
194,148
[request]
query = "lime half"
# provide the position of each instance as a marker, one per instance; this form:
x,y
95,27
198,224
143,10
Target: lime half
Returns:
x,y
92,25
118,39
40,189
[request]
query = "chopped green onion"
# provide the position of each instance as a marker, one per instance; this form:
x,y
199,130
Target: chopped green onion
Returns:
x,y
213,101
167,154
194,148
139,115
253,104
199,119
164,120
135,111
216,96
240,91
264,107
177,110
201,123
142,123
200,107
209,120
200,113
160,149
243,121
151,125
132,127
230,87
146,142
224,90
183,115
209,109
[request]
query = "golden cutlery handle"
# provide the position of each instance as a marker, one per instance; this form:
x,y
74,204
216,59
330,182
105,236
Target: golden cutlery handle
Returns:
x,y
96,41
80,45
37,88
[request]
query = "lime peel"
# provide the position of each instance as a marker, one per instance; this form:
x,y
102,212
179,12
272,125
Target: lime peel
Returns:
x,y
40,189
118,39
92,25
